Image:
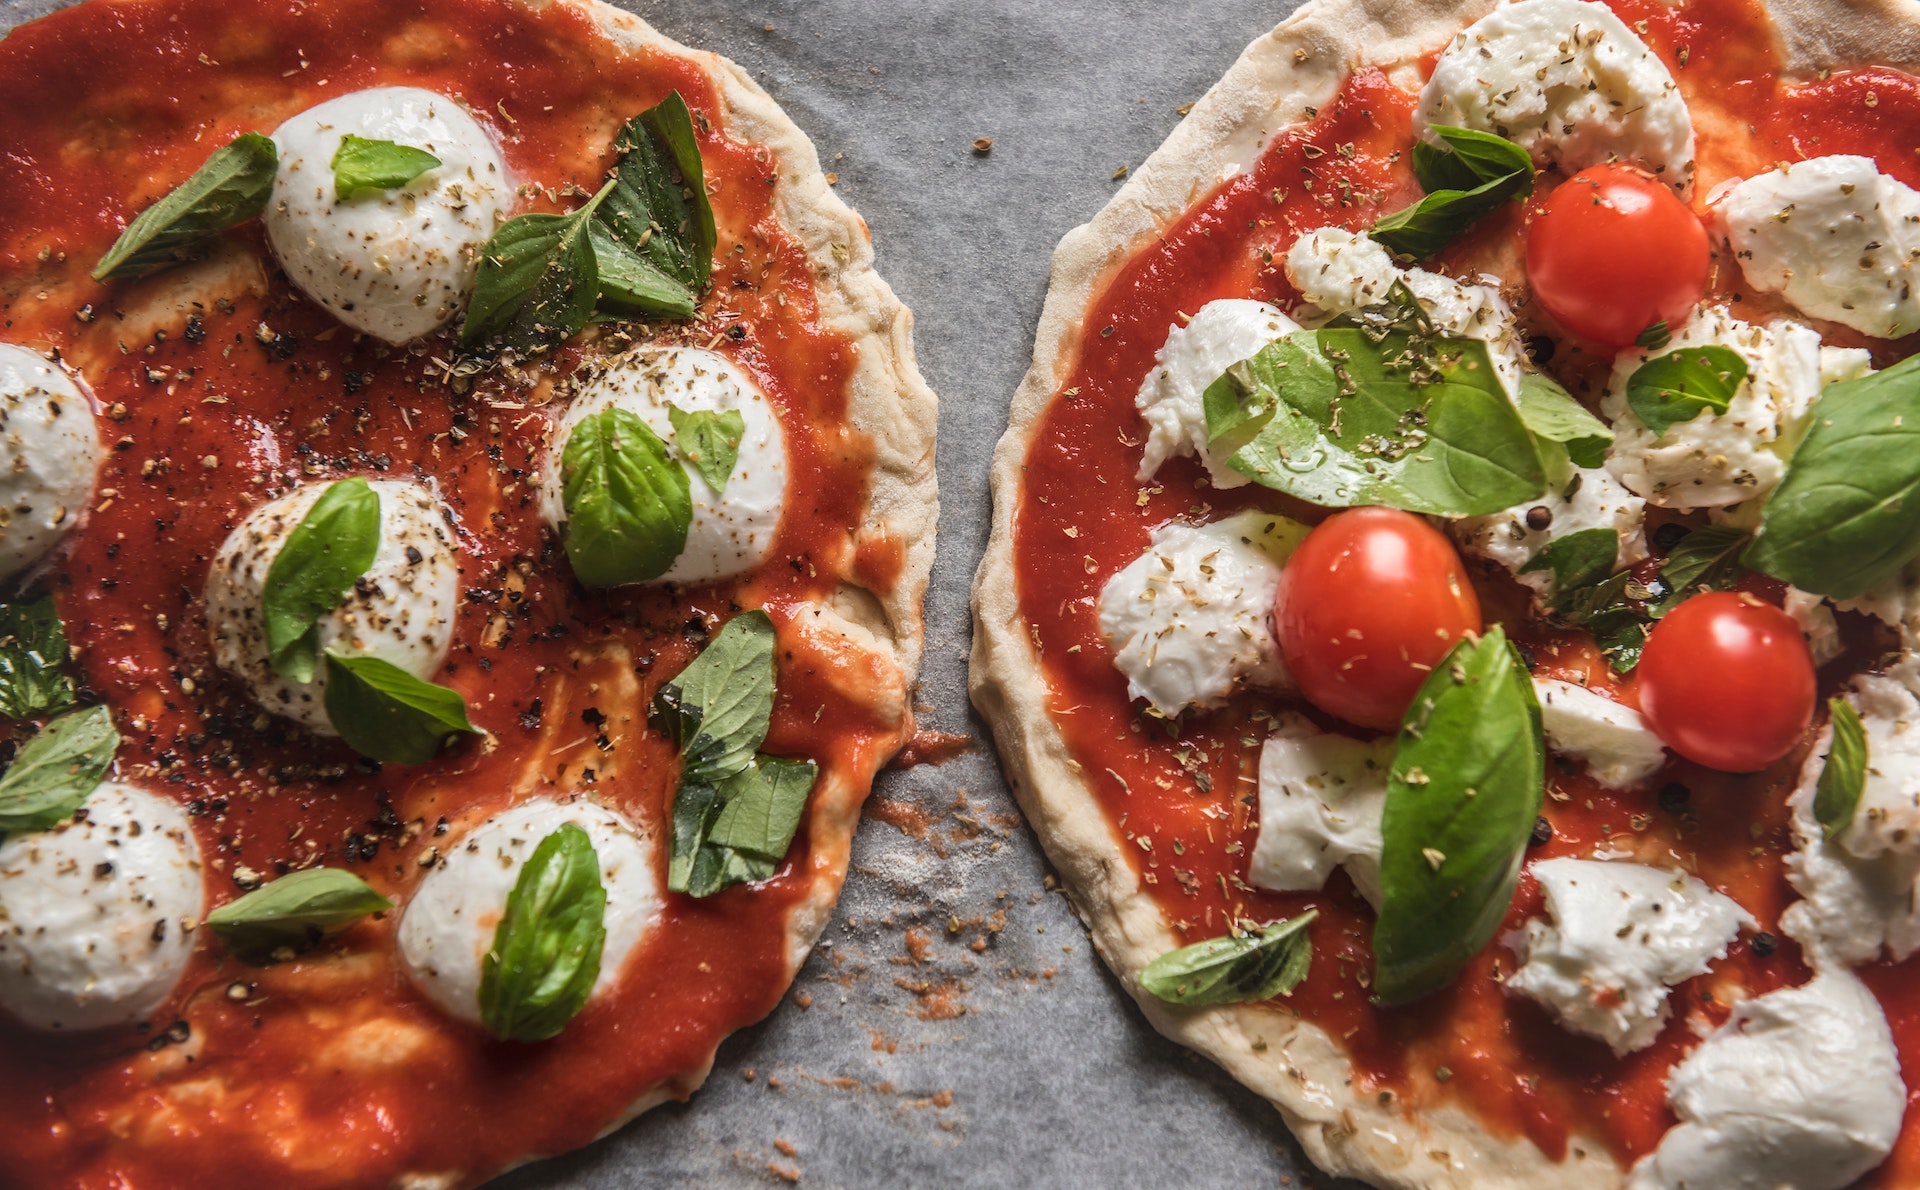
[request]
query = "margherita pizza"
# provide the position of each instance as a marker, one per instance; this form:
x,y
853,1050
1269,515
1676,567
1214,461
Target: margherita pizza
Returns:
x,y
467,504
1451,611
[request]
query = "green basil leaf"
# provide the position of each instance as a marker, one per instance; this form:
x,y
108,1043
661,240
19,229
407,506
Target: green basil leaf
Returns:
x,y
737,830
33,660
1553,415
1467,158
710,441
546,950
1843,777
1681,385
292,914
1613,612
1655,337
538,281
630,285
232,187
1232,970
693,867
1578,559
57,770
659,204
1472,176
628,503
361,165
1708,558
717,709
333,545
385,713
1847,516
1462,796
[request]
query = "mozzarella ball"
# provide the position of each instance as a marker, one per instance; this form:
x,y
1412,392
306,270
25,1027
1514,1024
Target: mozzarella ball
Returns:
x,y
49,453
449,924
1172,397
94,914
395,264
732,532
401,611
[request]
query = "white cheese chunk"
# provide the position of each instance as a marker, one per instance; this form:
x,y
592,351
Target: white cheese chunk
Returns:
x,y
1321,797
1817,621
1222,334
49,455
395,264
1800,1089
1613,741
1834,236
95,915
449,923
1622,934
1577,499
1191,619
1569,83
732,531
401,611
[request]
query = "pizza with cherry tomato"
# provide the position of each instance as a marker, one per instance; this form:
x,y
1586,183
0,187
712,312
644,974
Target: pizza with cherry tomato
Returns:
x,y
467,504
1453,611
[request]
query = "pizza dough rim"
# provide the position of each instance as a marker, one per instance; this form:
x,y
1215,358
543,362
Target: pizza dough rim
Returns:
x,y
1293,1064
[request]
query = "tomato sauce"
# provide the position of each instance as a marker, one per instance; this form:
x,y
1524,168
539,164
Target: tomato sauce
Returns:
x,y
1181,797
331,1069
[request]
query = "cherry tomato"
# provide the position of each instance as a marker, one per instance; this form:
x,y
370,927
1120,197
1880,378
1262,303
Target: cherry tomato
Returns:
x,y
1611,252
1726,680
1367,606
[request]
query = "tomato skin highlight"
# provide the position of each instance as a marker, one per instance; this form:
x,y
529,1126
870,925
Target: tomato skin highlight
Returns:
x,y
1366,607
1612,251
1727,681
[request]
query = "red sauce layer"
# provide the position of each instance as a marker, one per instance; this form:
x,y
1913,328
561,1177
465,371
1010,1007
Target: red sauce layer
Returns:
x,y
1183,799
332,1070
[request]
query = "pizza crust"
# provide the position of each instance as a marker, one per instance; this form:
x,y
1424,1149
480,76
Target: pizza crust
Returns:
x,y
1297,1066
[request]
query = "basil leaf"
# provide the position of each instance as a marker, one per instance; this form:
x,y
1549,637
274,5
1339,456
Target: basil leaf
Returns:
x,y
1553,415
1465,787
292,914
1474,174
1708,558
737,830
232,187
333,545
1467,158
628,503
630,285
1681,385
1613,612
693,867
361,165
1655,337
717,709
1847,516
1843,778
386,714
710,441
57,770
1232,970
659,204
538,281
1578,559
33,659
546,950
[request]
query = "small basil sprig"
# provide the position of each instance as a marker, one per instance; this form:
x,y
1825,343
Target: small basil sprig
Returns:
x,y
1578,559
1846,517
1681,385
1236,969
1464,790
717,710
33,660
57,770
1552,415
1472,175
628,503
333,545
659,207
232,187
1613,611
291,915
710,441
360,165
545,956
538,281
386,714
1618,609
1706,559
1843,777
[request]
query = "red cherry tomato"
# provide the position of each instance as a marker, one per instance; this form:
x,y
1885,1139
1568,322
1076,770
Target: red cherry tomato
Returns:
x,y
1611,252
1727,681
1369,603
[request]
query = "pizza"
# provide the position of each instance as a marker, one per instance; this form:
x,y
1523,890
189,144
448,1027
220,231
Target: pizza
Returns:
x,y
1449,615
468,501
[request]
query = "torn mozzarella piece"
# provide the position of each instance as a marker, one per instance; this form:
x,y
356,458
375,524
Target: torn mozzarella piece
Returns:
x,y
1800,1088
95,915
395,264
1816,620
1191,619
1613,741
449,923
1222,334
1321,797
1569,83
401,611
1622,934
49,455
1834,236
732,532
1579,499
